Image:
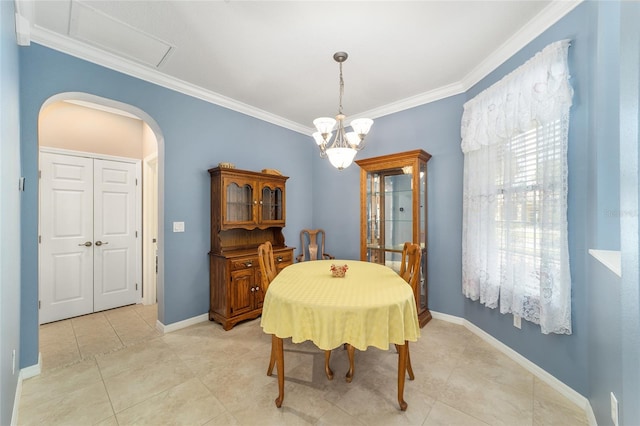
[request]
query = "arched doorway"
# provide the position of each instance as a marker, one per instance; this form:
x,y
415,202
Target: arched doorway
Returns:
x,y
83,124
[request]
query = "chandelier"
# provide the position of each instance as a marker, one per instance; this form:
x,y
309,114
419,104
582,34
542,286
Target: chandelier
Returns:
x,y
342,150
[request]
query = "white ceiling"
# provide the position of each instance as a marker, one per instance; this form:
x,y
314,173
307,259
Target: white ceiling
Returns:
x,y
274,59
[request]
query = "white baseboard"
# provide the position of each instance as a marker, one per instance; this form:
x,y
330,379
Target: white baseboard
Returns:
x,y
33,370
16,401
181,324
447,318
24,374
534,369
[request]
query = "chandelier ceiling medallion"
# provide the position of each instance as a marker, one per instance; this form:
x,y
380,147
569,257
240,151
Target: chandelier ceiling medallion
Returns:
x,y
342,150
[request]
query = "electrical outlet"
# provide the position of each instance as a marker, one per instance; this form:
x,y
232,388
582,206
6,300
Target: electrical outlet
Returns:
x,y
178,226
517,321
614,409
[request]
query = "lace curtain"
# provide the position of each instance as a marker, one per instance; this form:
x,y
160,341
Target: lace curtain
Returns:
x,y
514,241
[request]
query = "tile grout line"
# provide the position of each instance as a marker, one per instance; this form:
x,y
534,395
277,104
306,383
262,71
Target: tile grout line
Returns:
x,y
104,385
115,331
75,336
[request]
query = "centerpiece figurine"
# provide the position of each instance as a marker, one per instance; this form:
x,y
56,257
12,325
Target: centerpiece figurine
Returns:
x,y
339,270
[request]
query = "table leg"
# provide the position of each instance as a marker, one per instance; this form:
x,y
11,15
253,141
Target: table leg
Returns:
x,y
351,354
402,368
276,346
409,368
272,360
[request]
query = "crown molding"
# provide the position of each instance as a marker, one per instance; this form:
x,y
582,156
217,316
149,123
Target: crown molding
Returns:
x,y
547,17
83,51
540,23
413,101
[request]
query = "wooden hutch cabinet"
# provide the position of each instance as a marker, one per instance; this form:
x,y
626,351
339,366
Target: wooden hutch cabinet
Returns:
x,y
247,209
393,210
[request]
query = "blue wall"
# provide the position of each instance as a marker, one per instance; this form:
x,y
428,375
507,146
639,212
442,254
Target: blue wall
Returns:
x,y
9,211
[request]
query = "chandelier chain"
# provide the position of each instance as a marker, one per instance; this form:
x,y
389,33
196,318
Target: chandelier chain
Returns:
x,y
341,90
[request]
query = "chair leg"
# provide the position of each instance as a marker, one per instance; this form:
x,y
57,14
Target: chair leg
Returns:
x,y
327,368
351,354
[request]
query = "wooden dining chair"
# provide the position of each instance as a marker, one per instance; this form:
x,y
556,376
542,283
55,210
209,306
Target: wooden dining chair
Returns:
x,y
268,272
312,245
410,272
267,263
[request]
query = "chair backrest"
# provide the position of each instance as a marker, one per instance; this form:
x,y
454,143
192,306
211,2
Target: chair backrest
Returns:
x,y
312,245
267,264
410,266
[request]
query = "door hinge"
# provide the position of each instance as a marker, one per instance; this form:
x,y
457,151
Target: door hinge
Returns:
x,y
136,181
136,286
39,174
136,234
39,304
39,239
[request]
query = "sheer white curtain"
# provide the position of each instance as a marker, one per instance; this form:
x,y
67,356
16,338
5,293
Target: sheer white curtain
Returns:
x,y
514,240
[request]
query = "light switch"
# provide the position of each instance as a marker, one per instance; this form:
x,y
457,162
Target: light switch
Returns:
x,y
178,226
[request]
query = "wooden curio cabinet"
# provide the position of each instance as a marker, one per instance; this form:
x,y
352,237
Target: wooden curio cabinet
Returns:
x,y
393,210
247,209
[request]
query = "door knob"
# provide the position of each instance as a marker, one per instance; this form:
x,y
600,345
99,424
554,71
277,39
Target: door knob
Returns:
x,y
99,243
87,244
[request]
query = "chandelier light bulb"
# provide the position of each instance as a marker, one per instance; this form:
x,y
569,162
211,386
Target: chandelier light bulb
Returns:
x,y
353,138
317,136
362,126
341,158
324,125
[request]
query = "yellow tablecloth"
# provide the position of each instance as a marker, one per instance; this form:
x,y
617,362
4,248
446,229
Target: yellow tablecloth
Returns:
x,y
370,306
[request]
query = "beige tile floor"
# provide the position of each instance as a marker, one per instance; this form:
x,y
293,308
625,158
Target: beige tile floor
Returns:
x,y
113,368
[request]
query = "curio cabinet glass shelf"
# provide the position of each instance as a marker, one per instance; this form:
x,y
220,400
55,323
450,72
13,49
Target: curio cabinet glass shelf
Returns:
x,y
393,210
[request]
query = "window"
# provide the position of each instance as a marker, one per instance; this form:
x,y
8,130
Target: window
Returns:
x,y
515,249
520,228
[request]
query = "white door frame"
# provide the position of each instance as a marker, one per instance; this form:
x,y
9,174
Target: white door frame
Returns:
x,y
149,228
138,216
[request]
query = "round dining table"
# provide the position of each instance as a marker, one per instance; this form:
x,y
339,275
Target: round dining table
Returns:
x,y
370,306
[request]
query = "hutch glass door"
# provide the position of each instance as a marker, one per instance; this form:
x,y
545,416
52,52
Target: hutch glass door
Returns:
x,y
239,202
272,204
389,216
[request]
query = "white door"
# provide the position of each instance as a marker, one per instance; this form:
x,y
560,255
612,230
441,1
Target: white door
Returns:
x,y
88,255
114,232
66,232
